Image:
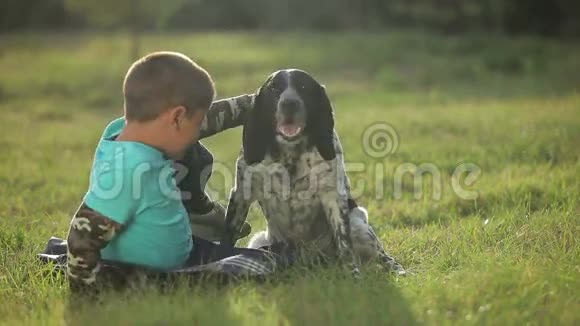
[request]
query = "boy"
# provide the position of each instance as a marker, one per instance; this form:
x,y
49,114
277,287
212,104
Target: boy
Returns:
x,y
133,212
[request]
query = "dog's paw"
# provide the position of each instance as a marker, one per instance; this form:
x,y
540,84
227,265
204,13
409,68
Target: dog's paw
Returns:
x,y
356,274
398,270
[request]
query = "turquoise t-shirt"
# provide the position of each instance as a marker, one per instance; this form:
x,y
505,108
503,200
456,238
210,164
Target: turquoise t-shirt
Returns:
x,y
133,184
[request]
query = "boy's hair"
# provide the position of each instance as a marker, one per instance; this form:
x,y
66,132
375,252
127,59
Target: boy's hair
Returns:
x,y
162,80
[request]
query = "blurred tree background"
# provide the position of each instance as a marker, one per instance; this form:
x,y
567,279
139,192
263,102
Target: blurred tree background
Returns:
x,y
550,18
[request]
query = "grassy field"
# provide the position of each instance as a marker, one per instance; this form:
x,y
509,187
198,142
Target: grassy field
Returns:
x,y
510,106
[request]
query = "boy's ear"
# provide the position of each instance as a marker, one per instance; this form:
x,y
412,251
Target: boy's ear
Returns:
x,y
176,115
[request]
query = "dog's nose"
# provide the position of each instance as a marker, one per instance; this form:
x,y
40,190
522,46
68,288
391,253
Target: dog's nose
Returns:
x,y
289,106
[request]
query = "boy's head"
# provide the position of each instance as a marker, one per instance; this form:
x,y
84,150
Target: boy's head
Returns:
x,y
170,90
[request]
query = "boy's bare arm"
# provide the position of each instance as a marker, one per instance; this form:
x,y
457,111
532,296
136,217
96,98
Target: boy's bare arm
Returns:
x,y
89,233
225,114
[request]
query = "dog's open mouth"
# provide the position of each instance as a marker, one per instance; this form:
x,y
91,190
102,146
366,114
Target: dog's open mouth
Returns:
x,y
289,130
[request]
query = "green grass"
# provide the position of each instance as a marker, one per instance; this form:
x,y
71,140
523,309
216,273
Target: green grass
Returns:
x,y
511,106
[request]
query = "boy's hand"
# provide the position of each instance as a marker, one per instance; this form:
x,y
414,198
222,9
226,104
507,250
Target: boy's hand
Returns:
x,y
210,226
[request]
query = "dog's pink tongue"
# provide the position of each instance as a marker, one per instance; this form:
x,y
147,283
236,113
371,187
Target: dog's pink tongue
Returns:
x,y
289,129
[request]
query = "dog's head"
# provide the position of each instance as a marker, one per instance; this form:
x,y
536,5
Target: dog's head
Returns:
x,y
290,107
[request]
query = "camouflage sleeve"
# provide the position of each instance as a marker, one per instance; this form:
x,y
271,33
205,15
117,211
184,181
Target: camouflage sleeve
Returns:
x,y
89,232
225,114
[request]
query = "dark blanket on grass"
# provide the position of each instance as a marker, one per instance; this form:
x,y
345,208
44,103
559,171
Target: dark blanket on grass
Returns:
x,y
247,265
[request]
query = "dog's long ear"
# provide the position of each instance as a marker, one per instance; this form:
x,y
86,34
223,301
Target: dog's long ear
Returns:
x,y
258,128
322,130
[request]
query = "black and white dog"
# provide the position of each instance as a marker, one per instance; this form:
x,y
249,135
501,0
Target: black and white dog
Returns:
x,y
292,164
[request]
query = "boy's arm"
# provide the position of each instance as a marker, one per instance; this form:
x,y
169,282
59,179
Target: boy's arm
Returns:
x,y
225,114
89,232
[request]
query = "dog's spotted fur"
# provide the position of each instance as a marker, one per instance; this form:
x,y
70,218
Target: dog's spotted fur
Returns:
x,y
298,195
300,184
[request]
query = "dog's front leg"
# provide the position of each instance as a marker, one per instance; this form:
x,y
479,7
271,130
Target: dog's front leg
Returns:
x,y
336,212
236,214
241,198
